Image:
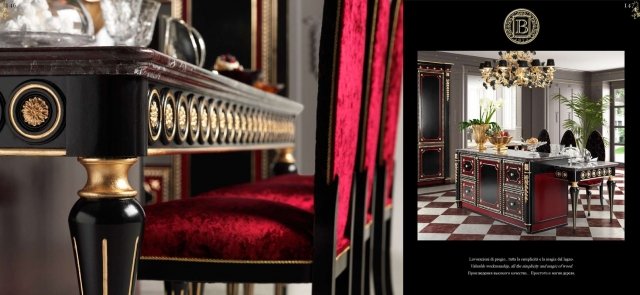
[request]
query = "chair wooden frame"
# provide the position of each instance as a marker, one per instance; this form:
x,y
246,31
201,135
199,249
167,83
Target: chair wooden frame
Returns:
x,y
381,234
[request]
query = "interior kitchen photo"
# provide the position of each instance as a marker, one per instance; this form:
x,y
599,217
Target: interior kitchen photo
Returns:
x,y
521,145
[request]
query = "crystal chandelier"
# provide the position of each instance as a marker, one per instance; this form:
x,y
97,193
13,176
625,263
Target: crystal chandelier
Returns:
x,y
517,68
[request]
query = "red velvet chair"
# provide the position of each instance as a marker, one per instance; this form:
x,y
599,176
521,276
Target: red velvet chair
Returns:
x,y
289,228
381,260
368,142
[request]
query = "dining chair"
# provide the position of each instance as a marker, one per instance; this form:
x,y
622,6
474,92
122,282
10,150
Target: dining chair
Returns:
x,y
544,136
595,145
568,139
379,14
289,228
383,198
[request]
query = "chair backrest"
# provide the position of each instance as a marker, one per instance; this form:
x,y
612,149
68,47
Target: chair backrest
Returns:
x,y
373,81
544,136
595,145
341,64
568,139
392,94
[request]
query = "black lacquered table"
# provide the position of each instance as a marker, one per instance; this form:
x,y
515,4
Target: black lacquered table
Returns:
x,y
109,105
576,172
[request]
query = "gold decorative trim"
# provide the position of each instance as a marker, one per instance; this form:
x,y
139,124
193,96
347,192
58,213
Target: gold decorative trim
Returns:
x,y
107,178
35,111
250,129
75,251
213,122
237,124
194,119
157,171
527,174
168,116
204,120
183,119
222,120
208,260
455,169
254,34
169,113
176,167
133,265
345,251
216,148
32,152
230,124
58,108
155,116
286,156
243,126
105,268
261,126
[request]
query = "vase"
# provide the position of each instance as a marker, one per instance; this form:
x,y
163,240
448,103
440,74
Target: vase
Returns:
x,y
480,135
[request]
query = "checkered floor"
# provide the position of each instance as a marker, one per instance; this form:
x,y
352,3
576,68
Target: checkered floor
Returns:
x,y
439,219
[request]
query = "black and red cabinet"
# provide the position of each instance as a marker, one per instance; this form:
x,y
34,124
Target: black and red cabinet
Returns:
x,y
432,108
515,187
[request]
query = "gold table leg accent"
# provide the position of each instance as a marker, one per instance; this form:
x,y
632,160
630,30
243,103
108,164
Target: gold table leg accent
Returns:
x,y
284,162
285,155
105,268
107,178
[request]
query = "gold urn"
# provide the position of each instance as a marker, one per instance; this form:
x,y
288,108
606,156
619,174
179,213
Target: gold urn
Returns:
x,y
480,135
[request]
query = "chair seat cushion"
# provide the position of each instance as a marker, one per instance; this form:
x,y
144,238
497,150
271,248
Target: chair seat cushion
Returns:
x,y
267,220
292,189
590,182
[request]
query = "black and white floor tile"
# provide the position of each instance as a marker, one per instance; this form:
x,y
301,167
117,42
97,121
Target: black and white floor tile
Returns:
x,y
440,219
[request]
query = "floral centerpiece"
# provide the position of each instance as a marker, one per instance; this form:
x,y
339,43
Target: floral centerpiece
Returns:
x,y
483,128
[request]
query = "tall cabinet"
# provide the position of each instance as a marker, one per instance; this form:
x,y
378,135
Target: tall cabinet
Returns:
x,y
432,109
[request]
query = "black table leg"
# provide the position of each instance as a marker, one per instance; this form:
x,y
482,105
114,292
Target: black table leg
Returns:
x,y
611,185
106,226
574,201
588,202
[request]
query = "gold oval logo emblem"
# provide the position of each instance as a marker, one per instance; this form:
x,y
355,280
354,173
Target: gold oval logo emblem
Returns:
x,y
521,26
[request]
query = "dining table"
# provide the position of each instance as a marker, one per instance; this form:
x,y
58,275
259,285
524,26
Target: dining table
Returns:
x,y
108,106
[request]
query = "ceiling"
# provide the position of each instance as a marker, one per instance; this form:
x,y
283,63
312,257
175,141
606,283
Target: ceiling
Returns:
x,y
590,61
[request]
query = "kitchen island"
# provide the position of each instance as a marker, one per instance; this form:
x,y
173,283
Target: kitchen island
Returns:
x,y
512,186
